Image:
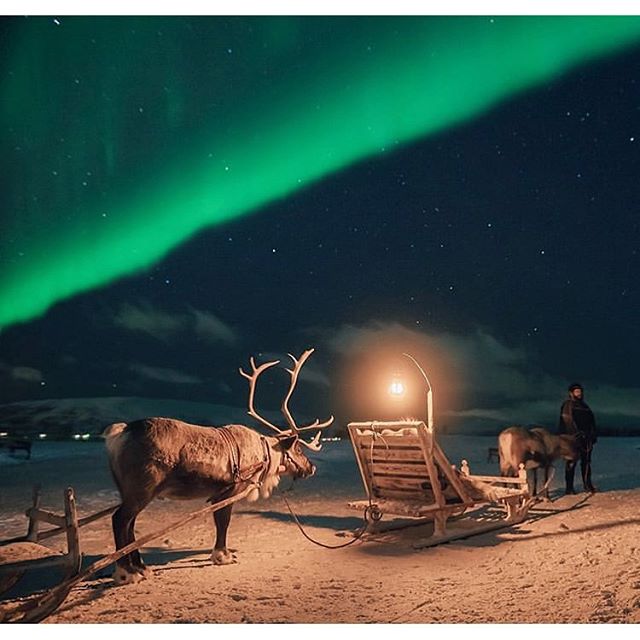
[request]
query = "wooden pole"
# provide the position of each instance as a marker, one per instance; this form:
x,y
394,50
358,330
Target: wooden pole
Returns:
x,y
32,533
71,526
35,611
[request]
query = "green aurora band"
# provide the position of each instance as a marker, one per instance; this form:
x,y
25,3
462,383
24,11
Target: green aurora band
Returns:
x,y
382,83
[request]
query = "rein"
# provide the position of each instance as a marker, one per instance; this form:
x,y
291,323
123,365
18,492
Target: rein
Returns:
x,y
239,476
367,519
371,511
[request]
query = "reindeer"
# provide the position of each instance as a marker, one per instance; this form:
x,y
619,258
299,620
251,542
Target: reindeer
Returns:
x,y
170,458
534,447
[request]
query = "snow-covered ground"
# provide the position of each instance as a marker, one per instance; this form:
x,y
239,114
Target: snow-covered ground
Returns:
x,y
83,465
576,563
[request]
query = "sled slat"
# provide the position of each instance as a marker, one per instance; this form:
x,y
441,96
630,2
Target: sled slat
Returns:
x,y
497,479
389,455
417,485
408,469
399,494
386,442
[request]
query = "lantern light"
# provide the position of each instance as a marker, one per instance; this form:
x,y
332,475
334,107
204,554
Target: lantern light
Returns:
x,y
397,388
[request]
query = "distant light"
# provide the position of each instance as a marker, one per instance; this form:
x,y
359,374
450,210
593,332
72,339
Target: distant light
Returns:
x,y
42,436
76,436
396,388
3,434
86,436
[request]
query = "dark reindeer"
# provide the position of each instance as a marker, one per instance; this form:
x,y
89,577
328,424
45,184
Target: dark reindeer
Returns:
x,y
164,457
535,448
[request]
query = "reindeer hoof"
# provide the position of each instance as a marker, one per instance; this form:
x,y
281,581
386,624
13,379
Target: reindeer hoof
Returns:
x,y
223,556
122,576
144,571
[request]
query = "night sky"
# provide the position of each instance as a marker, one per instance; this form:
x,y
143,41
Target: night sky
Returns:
x,y
182,193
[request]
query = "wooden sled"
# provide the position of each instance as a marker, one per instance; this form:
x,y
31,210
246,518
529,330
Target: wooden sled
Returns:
x,y
405,473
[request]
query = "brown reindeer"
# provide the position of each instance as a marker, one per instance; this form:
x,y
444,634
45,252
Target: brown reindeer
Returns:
x,y
164,457
534,447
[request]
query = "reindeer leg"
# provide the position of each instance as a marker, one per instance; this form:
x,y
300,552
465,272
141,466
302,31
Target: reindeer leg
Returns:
x,y
123,521
546,483
136,559
222,555
120,521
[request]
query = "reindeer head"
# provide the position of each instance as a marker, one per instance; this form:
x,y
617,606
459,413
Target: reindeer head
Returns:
x,y
288,442
294,462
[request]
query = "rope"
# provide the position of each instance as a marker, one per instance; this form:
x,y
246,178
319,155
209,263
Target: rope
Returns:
x,y
357,535
371,512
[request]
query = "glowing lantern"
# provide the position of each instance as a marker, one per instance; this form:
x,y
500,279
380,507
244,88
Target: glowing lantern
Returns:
x,y
396,388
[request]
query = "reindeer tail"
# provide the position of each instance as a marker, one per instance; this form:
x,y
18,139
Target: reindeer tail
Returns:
x,y
505,454
110,434
114,429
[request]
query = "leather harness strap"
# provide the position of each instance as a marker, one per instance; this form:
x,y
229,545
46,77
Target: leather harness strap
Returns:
x,y
242,475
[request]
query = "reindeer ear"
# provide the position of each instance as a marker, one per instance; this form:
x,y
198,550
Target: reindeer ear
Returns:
x,y
288,442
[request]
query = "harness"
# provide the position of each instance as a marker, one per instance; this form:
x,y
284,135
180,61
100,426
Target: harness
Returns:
x,y
239,475
287,456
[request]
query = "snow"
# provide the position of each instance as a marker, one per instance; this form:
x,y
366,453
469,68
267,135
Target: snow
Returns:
x,y
84,466
578,566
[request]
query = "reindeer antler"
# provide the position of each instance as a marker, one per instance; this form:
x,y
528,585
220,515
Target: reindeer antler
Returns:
x,y
252,377
315,443
294,429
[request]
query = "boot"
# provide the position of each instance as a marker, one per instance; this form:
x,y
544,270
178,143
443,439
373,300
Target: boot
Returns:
x,y
586,477
569,472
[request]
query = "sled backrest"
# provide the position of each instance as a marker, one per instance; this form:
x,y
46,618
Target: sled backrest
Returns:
x,y
402,461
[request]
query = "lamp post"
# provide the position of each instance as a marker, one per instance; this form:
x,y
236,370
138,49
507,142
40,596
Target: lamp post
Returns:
x,y
429,391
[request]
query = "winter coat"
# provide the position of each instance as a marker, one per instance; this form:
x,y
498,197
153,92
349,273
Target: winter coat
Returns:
x,y
577,418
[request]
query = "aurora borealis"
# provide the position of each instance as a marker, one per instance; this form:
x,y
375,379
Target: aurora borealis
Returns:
x,y
125,137
181,193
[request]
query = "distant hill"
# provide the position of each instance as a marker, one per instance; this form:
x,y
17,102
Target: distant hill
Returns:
x,y
62,418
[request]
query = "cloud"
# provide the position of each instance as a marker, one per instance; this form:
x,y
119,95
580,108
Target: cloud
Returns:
x,y
145,319
27,374
475,376
162,374
311,371
24,374
211,329
478,361
620,402
166,326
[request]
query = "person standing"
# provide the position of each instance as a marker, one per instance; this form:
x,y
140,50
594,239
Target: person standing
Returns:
x,y
576,418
